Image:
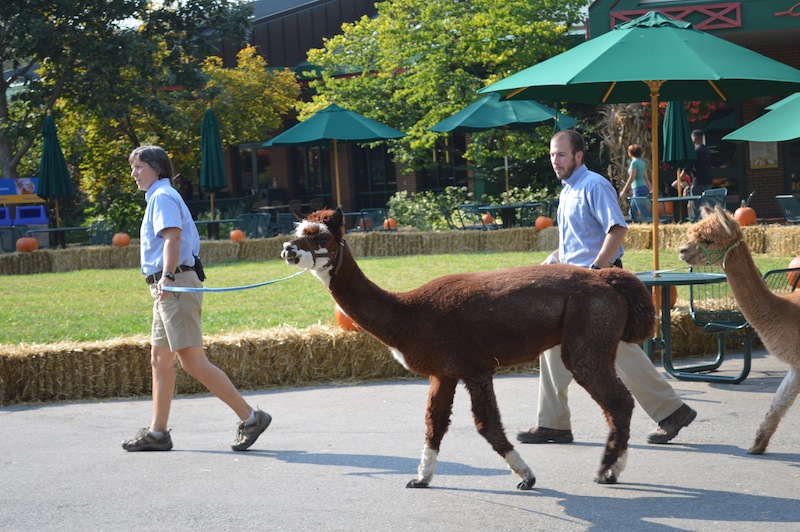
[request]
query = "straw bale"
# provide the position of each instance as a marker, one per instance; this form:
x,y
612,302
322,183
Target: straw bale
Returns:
x,y
94,257
26,263
755,236
261,249
217,251
546,239
639,236
783,240
514,240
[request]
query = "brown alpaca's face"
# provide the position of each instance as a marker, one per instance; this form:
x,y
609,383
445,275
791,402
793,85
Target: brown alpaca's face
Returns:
x,y
315,247
715,231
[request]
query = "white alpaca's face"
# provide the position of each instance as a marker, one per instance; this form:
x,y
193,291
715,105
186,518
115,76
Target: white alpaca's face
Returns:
x,y
309,250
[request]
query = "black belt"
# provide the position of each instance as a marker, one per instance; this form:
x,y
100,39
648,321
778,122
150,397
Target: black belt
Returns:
x,y
150,279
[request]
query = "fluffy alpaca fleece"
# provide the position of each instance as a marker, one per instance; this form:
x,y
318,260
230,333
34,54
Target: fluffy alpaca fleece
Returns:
x,y
463,327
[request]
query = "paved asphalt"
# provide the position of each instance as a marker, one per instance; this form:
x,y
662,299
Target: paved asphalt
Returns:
x,y
339,457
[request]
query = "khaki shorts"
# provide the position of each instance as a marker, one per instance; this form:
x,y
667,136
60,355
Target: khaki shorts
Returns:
x,y
176,319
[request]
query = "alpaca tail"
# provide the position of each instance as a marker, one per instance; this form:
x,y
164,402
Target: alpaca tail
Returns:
x,y
641,310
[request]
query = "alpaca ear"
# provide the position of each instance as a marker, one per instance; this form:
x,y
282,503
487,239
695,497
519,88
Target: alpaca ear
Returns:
x,y
724,220
336,223
705,211
299,215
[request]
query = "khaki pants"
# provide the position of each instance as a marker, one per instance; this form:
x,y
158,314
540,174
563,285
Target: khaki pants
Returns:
x,y
645,383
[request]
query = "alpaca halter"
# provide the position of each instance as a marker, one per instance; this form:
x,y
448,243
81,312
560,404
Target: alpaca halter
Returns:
x,y
337,255
713,255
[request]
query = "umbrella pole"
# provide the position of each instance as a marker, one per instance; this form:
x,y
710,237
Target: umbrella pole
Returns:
x,y
58,226
505,153
655,86
336,171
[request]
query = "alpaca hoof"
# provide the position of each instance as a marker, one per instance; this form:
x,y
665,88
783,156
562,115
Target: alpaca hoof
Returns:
x,y
607,478
756,449
527,485
417,484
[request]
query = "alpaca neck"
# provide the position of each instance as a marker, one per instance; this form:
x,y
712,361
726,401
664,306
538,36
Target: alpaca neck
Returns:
x,y
376,310
747,285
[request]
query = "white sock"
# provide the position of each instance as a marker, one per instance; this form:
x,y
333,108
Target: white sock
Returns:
x,y
155,433
251,419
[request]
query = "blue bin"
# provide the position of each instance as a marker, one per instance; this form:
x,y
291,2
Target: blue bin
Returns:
x,y
30,214
5,217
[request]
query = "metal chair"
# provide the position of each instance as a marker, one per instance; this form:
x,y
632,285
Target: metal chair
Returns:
x,y
9,236
284,224
790,207
784,281
471,217
316,204
101,233
530,211
712,197
642,210
372,220
254,225
713,307
447,214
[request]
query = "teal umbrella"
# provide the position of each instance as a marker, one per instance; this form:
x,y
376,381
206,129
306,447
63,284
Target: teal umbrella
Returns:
x,y
334,124
678,145
54,179
212,166
781,123
491,113
649,58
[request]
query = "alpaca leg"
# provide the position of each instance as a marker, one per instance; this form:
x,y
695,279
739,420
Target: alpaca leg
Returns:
x,y
437,420
597,375
784,397
487,421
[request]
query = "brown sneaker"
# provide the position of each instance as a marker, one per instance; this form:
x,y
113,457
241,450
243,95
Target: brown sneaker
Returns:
x,y
670,426
544,435
247,434
147,441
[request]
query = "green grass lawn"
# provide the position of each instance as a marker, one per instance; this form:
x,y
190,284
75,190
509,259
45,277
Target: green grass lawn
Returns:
x,y
102,304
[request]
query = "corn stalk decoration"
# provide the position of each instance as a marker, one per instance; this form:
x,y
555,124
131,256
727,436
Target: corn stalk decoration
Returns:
x,y
622,124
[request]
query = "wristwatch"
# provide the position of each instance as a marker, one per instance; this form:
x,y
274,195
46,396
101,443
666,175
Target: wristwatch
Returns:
x,y
170,276
593,267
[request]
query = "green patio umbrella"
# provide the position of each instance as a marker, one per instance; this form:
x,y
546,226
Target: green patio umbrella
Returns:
x,y
649,58
54,179
334,124
491,113
781,123
678,146
212,166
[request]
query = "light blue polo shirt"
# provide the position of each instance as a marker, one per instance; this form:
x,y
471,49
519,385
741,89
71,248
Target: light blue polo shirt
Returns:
x,y
165,208
587,210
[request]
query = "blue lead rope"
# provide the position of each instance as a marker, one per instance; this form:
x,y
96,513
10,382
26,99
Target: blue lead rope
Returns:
x,y
229,289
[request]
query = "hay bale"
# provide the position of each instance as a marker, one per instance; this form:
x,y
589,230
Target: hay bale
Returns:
x,y
218,251
40,261
639,236
755,236
782,240
546,239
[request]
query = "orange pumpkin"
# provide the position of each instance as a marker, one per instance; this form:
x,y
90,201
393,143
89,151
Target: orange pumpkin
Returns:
x,y
237,235
390,223
26,244
121,240
793,275
673,296
487,218
745,215
344,321
543,222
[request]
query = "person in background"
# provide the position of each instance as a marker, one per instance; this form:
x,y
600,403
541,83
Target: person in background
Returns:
x,y
700,170
169,249
638,180
591,229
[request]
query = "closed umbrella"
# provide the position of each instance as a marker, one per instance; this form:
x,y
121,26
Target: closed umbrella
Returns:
x,y
490,113
649,58
334,124
678,146
781,123
212,166
54,179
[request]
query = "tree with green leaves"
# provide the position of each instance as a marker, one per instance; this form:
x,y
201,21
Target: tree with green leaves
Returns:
x,y
109,57
420,61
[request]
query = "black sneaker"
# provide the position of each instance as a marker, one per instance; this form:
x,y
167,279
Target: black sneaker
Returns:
x,y
249,433
147,441
544,435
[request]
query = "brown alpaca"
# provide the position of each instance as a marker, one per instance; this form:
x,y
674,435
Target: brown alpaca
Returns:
x,y
464,327
717,238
